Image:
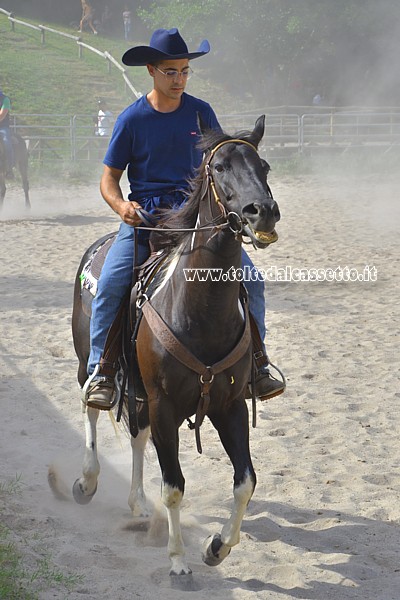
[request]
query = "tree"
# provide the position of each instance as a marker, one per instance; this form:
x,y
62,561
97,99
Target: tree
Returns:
x,y
284,51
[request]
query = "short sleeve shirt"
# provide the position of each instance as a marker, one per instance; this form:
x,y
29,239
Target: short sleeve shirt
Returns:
x,y
159,149
5,102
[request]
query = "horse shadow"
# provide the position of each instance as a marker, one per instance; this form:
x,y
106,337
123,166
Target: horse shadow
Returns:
x,y
41,430
83,220
358,549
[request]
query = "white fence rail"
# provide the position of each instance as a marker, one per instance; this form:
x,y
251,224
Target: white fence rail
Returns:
x,y
351,129
43,29
313,133
73,137
62,136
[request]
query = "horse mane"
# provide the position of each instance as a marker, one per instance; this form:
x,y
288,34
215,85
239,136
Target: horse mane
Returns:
x,y
185,217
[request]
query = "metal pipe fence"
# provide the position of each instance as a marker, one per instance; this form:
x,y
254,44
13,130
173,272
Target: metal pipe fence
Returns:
x,y
74,137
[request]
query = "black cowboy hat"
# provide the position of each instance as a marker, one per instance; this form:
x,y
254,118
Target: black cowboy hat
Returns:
x,y
165,44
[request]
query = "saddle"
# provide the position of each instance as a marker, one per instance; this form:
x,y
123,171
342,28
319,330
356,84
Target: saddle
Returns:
x,y
129,314
119,356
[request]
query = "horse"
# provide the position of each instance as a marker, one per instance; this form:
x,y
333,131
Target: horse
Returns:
x,y
21,161
193,344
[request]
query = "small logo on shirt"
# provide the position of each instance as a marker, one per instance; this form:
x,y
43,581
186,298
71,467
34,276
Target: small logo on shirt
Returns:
x,y
193,133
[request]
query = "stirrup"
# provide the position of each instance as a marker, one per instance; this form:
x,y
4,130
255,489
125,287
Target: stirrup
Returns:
x,y
270,364
85,390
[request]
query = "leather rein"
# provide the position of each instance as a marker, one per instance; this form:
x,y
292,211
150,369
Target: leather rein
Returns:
x,y
168,339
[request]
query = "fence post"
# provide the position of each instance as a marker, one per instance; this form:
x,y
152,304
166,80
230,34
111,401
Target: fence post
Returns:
x,y
299,135
302,133
42,36
73,137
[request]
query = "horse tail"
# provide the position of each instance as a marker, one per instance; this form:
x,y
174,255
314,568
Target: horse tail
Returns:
x,y
57,485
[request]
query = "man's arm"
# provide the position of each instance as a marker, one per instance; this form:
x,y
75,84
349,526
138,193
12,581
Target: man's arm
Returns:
x,y
4,108
112,194
3,113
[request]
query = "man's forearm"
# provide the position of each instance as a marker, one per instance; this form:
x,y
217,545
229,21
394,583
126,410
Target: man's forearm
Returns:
x,y
112,194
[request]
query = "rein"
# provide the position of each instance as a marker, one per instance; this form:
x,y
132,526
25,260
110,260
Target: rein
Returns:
x,y
205,372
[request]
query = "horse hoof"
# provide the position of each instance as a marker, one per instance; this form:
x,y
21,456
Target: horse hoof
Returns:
x,y
184,582
78,494
215,551
179,568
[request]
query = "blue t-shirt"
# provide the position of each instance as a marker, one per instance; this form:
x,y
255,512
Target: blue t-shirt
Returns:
x,y
158,148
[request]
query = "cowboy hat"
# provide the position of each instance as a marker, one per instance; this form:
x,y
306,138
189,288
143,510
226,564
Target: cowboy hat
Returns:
x,y
165,44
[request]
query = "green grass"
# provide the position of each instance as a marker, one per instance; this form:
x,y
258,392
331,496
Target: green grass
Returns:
x,y
11,487
26,569
52,78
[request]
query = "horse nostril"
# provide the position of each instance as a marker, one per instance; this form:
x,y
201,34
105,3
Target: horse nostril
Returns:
x,y
276,212
252,209
262,211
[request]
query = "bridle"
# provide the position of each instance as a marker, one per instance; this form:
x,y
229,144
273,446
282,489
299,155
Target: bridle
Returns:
x,y
210,184
211,156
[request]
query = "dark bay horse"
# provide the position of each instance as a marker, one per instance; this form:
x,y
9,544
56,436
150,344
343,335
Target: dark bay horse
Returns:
x,y
21,162
193,343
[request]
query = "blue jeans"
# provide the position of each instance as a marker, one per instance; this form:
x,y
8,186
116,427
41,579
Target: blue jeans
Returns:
x,y
5,134
116,277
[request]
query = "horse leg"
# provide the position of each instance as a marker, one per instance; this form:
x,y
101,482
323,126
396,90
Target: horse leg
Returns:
x,y
25,185
2,190
233,429
85,487
22,160
166,441
137,498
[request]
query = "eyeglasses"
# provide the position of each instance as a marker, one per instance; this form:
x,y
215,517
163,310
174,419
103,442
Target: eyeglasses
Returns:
x,y
172,74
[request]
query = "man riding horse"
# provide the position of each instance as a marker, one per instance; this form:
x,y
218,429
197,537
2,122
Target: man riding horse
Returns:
x,y
156,139
5,132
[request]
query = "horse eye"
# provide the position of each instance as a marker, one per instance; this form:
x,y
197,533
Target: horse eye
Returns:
x,y
265,166
218,167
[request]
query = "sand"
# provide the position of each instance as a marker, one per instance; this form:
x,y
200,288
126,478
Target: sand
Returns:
x,y
324,520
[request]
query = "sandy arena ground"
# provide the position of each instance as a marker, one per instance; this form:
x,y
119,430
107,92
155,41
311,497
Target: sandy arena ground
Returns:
x,y
324,522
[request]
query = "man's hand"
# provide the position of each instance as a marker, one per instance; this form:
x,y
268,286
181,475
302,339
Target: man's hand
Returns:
x,y
128,213
112,194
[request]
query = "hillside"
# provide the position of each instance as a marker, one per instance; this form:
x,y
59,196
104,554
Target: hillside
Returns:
x,y
51,78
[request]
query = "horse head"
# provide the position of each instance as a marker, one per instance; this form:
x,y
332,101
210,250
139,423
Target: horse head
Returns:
x,y
238,177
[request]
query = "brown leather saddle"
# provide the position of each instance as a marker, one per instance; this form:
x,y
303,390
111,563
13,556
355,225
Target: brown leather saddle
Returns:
x,y
119,355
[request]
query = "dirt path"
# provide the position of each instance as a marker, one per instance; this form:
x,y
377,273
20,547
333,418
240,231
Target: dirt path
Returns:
x,y
324,520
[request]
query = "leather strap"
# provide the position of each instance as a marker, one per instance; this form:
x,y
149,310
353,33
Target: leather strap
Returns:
x,y
259,356
171,343
206,373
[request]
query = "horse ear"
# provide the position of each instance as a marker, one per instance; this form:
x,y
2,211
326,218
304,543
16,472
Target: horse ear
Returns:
x,y
202,124
258,131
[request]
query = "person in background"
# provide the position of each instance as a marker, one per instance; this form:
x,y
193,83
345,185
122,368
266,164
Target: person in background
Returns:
x,y
156,139
126,16
87,16
106,18
5,132
104,120
317,100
